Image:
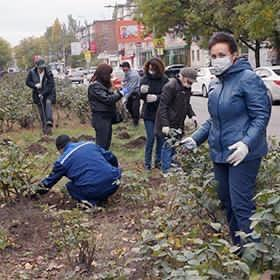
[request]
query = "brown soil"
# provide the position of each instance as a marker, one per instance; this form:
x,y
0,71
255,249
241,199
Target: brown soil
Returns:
x,y
28,230
46,139
136,143
123,135
83,137
36,149
34,255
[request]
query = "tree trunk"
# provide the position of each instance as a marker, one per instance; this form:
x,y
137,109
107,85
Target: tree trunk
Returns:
x,y
277,48
257,53
277,61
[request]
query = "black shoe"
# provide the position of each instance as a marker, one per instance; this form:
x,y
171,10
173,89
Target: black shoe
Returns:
x,y
157,165
135,123
48,130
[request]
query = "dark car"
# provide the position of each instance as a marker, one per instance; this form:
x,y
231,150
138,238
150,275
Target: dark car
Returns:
x,y
173,70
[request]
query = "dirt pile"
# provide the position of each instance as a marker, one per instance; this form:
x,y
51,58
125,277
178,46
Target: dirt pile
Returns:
x,y
136,143
36,149
123,135
83,137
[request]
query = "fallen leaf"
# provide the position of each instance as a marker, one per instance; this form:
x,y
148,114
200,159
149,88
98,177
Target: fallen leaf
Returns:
x,y
28,266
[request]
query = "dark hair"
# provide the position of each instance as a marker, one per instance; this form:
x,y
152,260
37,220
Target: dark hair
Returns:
x,y
157,65
61,141
125,64
223,37
103,75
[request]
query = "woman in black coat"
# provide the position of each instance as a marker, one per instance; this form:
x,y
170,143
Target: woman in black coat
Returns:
x,y
103,101
150,90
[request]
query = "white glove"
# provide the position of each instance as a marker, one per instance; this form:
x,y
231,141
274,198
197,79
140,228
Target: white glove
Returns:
x,y
189,144
124,101
144,89
151,98
38,86
195,122
121,93
240,152
165,130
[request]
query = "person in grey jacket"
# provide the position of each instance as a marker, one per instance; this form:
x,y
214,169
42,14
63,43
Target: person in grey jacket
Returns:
x,y
103,101
131,90
240,110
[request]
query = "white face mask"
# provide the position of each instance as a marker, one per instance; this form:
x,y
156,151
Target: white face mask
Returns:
x,y
221,64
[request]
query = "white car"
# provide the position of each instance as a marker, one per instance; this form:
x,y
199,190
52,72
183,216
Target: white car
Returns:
x,y
271,77
204,77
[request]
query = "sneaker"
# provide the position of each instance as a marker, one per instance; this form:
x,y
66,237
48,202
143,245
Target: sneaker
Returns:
x,y
49,123
165,174
147,167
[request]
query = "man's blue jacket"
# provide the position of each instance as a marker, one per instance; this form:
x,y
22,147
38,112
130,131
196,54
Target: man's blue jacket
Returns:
x,y
85,164
239,109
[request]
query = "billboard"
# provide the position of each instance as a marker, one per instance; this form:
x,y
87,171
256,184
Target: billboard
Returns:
x,y
129,31
76,48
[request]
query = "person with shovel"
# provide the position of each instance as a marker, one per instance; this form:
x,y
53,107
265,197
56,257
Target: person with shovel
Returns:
x,y
40,79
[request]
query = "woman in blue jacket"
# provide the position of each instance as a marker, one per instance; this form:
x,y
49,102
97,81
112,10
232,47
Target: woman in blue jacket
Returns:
x,y
239,109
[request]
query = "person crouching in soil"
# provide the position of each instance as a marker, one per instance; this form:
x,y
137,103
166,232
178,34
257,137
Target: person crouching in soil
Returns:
x,y
93,172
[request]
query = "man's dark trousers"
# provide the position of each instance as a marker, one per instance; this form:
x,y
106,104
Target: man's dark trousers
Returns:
x,y
92,194
236,189
133,107
46,120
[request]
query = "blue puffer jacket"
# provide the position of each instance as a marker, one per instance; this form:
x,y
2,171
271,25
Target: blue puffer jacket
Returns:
x,y
85,164
240,110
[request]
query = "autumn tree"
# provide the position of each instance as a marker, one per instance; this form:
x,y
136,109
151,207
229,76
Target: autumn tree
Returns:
x,y
5,53
27,49
203,18
261,21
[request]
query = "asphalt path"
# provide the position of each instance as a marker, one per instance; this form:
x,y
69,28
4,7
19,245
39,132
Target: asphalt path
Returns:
x,y
200,107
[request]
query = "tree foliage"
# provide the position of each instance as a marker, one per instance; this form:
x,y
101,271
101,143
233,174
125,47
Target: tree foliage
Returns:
x,y
54,44
250,21
5,53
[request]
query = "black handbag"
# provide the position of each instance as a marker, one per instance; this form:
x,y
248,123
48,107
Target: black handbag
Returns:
x,y
117,118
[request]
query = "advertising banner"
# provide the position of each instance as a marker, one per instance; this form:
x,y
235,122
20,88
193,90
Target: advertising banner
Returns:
x,y
129,31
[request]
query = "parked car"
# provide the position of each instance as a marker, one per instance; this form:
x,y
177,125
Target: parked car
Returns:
x,y
204,77
271,77
76,76
90,73
173,70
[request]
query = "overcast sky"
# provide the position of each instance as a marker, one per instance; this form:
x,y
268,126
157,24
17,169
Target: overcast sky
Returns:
x,y
24,18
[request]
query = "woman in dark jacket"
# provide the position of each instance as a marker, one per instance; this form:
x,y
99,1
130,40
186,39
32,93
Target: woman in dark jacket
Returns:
x,y
173,108
150,90
239,109
103,104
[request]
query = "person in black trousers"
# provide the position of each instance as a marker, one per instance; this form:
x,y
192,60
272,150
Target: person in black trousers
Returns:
x,y
103,101
40,79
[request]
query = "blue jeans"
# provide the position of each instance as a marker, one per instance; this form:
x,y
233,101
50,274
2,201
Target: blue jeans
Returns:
x,y
91,194
167,153
236,188
150,135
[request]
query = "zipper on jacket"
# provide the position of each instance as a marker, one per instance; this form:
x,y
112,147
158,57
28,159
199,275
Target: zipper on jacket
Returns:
x,y
219,118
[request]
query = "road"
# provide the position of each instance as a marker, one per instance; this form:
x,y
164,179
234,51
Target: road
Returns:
x,y
200,107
